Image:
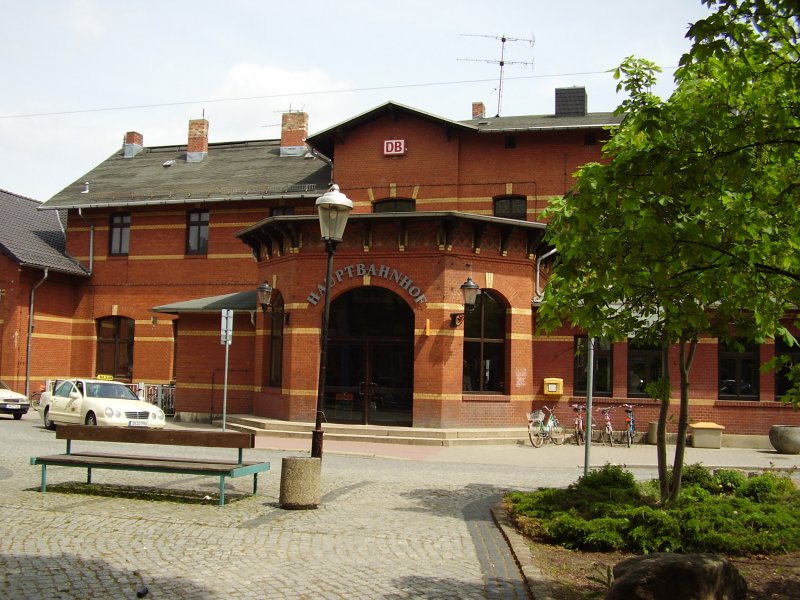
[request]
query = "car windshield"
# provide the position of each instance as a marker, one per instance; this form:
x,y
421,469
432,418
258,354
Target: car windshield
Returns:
x,y
109,390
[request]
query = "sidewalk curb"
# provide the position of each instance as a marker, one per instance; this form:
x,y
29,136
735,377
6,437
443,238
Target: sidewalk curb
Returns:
x,y
538,587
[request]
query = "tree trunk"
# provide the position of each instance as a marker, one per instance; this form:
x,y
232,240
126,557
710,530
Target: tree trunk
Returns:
x,y
661,431
683,417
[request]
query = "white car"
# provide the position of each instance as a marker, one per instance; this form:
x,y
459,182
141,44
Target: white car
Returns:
x,y
97,402
12,403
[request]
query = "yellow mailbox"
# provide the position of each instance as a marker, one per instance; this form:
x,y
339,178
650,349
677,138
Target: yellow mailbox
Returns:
x,y
553,386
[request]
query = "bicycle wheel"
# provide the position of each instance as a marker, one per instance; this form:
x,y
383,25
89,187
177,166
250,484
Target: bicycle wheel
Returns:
x,y
579,437
629,437
610,433
537,437
557,435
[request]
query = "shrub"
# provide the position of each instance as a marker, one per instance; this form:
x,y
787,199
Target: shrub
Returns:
x,y
697,474
767,487
729,480
652,530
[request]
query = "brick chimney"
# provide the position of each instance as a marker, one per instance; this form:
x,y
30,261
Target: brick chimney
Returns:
x,y
478,110
133,144
294,131
197,146
571,102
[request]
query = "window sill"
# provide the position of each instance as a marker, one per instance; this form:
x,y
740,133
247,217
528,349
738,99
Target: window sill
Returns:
x,y
484,397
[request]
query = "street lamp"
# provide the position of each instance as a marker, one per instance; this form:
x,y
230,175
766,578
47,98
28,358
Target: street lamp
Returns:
x,y
469,290
264,295
333,208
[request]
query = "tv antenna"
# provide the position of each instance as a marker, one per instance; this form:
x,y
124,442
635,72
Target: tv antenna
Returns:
x,y
502,62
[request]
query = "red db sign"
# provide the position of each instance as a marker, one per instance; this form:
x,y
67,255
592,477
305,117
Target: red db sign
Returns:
x,y
394,147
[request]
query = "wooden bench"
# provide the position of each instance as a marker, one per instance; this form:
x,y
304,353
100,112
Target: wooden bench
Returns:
x,y
171,437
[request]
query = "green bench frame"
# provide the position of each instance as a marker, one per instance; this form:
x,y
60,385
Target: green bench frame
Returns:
x,y
153,464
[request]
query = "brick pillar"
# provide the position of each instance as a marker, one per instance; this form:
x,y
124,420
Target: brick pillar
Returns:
x,y
478,110
294,131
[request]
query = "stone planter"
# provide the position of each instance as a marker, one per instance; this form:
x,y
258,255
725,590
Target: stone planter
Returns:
x,y
300,483
785,438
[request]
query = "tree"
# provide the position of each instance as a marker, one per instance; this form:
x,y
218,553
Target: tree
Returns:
x,y
690,226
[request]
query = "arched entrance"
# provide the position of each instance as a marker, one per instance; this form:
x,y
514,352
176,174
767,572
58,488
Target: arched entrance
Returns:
x,y
370,370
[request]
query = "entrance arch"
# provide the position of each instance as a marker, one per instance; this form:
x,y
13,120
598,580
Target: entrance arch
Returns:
x,y
370,370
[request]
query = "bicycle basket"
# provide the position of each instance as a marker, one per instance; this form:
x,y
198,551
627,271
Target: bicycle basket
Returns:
x,y
536,416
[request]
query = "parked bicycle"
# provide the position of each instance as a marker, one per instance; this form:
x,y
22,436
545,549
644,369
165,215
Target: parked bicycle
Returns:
x,y
580,430
541,429
606,434
630,424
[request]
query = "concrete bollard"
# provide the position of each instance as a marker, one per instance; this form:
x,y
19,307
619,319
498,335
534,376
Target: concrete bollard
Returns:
x,y
300,483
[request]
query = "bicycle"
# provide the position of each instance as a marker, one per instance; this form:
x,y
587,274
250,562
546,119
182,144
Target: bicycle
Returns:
x,y
540,429
630,424
580,431
606,434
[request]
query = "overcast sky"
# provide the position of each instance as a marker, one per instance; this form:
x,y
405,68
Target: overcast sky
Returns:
x,y
78,74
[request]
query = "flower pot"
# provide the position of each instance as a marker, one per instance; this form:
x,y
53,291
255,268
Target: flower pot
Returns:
x,y
785,438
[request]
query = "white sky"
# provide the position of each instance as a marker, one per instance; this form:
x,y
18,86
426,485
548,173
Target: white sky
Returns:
x,y
160,64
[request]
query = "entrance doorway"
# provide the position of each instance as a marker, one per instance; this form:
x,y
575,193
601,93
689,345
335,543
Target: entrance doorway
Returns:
x,y
370,370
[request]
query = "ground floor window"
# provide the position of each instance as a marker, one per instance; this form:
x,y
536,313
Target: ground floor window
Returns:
x,y
792,356
644,366
601,374
484,368
738,369
115,347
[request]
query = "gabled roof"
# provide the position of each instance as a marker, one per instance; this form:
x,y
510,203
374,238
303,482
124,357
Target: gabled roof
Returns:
x,y
32,238
248,170
324,141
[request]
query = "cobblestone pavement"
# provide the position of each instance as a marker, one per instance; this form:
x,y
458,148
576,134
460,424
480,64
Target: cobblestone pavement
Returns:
x,y
386,528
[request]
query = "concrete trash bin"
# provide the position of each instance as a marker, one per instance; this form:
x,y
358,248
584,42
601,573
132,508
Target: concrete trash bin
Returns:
x,y
300,483
652,433
706,435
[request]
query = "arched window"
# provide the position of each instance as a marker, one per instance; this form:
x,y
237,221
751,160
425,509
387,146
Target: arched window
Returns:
x,y
394,205
273,342
115,347
511,207
485,345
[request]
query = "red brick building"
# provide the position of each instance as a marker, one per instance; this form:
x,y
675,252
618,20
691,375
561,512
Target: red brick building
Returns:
x,y
189,230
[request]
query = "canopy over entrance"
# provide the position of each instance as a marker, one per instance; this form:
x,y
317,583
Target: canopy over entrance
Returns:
x,y
242,301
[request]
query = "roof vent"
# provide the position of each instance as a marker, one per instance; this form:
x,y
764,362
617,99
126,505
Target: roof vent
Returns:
x,y
571,102
168,163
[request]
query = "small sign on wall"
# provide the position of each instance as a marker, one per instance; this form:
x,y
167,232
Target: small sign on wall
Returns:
x,y
394,147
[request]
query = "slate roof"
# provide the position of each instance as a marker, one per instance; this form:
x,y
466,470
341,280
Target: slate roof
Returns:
x,y
247,170
324,141
33,238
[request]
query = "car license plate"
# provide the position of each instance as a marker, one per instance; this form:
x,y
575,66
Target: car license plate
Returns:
x,y
14,406
137,423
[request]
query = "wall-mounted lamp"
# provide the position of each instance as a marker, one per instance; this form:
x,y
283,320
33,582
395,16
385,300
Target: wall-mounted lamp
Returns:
x,y
264,295
470,290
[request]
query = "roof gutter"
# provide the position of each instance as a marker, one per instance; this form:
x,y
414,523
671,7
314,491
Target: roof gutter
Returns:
x,y
538,291
91,240
30,333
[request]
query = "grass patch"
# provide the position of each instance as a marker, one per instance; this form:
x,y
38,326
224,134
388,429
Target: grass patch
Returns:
x,y
722,512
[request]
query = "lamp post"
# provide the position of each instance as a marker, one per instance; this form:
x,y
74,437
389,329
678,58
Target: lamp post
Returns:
x,y
264,295
470,290
333,208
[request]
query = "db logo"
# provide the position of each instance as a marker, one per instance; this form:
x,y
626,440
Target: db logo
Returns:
x,y
394,147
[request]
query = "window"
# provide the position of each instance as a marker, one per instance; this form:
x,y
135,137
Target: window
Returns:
x,y
273,342
484,368
601,375
738,369
511,207
644,366
511,142
115,347
197,232
394,205
792,353
120,234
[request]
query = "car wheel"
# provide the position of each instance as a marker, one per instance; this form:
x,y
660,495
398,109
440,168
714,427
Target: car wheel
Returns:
x,y
17,416
91,419
48,424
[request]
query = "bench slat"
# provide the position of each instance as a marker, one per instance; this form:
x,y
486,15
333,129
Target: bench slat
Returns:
x,y
139,463
168,437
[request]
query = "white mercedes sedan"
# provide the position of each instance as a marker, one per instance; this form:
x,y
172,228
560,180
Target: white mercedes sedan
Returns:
x,y
97,402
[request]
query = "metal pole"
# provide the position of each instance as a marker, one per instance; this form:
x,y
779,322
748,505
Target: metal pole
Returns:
x,y
225,386
316,436
589,390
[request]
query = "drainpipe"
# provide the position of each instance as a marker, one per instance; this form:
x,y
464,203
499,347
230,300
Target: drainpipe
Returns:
x,y
30,334
538,292
91,239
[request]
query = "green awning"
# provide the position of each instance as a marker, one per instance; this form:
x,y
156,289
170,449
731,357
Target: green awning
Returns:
x,y
243,301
